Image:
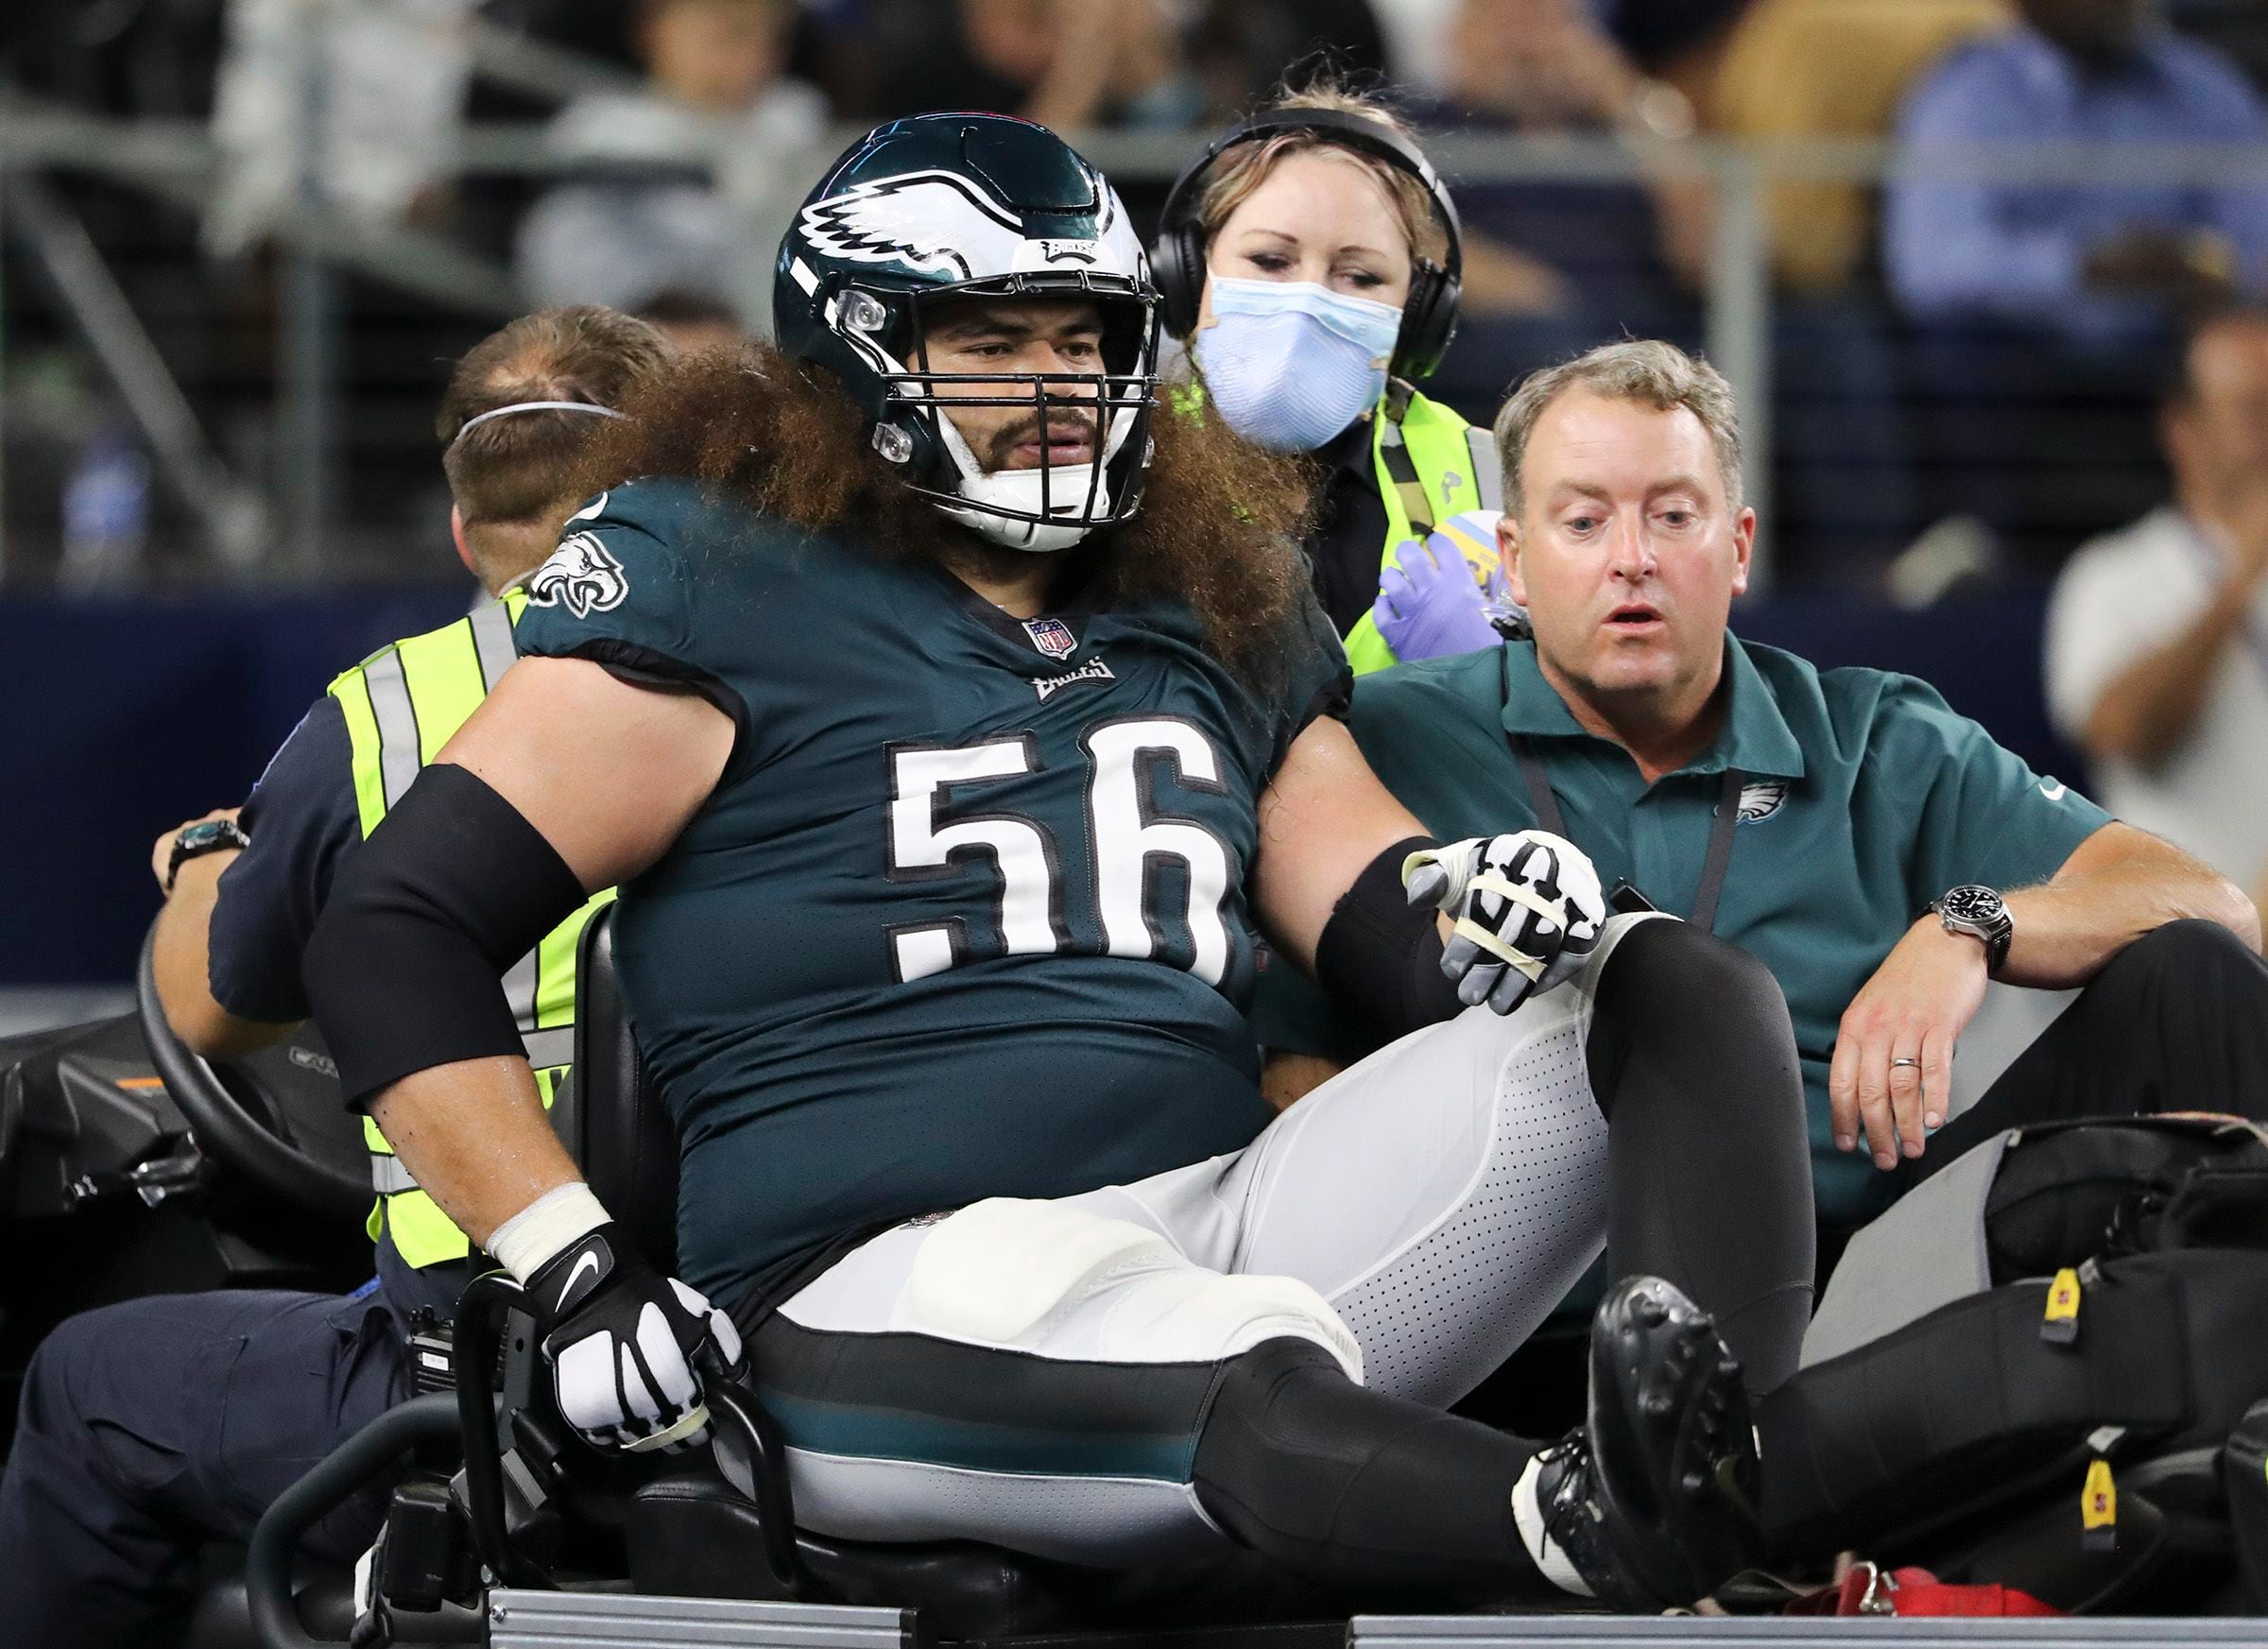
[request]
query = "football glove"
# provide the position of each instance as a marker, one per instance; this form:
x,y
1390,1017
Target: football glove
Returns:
x,y
621,1342
1527,910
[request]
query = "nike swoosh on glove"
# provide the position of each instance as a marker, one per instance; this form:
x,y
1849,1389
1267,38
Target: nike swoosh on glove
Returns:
x,y
1527,910
621,1340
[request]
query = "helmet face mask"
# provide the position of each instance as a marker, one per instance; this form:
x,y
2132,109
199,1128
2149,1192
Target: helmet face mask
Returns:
x,y
996,211
1050,506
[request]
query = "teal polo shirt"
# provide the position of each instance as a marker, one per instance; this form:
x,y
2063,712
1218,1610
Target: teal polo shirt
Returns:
x,y
1865,798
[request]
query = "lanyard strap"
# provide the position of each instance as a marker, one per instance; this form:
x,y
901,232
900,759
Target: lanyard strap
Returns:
x,y
1714,863
1402,470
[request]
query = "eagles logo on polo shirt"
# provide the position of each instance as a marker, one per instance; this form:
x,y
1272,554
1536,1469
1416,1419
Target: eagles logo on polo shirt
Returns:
x,y
1760,798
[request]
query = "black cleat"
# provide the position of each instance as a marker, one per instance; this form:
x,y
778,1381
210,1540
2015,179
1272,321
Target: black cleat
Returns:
x,y
1653,1501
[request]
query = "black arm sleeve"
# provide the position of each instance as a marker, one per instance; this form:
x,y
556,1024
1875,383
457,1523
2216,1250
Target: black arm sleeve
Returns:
x,y
451,889
1380,958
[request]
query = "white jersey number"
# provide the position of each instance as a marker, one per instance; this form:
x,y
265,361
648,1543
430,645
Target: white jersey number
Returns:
x,y
1130,841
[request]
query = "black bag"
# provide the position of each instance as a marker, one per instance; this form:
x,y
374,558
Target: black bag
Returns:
x,y
2071,1192
2244,1471
1962,1437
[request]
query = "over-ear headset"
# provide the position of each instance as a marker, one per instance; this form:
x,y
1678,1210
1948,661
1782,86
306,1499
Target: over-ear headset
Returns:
x,y
1429,316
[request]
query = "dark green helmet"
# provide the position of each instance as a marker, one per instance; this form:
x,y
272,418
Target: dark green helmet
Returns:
x,y
947,207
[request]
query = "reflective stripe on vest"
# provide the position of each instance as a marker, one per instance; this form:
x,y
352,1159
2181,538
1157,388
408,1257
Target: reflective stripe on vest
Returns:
x,y
402,704
1456,468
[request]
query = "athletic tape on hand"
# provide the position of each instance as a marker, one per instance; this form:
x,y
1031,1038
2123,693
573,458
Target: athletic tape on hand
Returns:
x,y
1488,939
564,1215
1414,862
694,1421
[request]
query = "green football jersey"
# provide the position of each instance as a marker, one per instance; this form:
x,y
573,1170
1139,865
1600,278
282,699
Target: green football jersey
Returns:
x,y
966,914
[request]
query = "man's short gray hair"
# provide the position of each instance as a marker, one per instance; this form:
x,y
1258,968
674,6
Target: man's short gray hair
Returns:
x,y
1648,372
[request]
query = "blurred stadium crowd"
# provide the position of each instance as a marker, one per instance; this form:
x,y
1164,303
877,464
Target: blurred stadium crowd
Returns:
x,y
1979,346
1945,247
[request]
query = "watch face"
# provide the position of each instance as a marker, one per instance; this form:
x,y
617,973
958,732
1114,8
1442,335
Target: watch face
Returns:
x,y
1975,905
203,835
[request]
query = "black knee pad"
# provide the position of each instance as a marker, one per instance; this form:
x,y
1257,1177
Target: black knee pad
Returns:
x,y
1353,1489
1262,1424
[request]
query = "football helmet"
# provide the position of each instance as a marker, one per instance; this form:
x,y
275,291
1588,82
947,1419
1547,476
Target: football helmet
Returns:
x,y
942,208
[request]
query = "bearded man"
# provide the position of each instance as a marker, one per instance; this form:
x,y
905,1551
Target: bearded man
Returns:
x,y
950,717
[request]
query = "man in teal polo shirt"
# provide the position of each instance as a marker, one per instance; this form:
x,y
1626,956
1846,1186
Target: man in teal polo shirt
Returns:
x,y
1811,818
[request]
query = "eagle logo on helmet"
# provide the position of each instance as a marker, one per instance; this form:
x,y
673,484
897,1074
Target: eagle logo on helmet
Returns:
x,y
937,222
582,577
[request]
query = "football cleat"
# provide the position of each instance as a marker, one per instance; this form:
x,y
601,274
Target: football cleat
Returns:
x,y
1654,1500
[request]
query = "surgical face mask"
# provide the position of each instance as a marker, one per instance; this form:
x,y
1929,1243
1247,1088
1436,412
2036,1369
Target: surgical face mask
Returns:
x,y
1290,363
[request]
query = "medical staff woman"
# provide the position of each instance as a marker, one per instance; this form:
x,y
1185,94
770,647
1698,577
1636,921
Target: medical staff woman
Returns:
x,y
1310,259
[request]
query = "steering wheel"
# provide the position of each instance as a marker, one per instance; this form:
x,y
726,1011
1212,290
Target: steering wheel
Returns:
x,y
276,1117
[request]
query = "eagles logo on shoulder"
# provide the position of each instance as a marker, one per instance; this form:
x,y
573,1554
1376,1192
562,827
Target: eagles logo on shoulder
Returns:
x,y
582,575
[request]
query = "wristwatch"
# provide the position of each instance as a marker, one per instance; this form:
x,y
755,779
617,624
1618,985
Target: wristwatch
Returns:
x,y
208,835
1982,914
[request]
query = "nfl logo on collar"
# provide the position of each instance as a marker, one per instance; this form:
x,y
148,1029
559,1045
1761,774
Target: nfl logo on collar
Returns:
x,y
1051,636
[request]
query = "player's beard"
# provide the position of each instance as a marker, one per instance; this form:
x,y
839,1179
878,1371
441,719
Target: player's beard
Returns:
x,y
1218,528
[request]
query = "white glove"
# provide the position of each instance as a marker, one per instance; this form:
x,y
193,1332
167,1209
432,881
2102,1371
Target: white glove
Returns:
x,y
1527,910
622,1341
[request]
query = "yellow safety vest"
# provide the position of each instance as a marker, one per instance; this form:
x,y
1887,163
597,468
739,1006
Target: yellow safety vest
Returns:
x,y
402,704
1448,465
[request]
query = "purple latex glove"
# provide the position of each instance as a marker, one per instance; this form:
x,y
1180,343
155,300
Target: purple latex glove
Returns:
x,y
1428,605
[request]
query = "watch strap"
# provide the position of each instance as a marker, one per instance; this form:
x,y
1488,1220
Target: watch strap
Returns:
x,y
1996,937
208,835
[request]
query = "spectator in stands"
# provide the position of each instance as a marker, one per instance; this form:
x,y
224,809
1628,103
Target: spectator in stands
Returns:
x,y
1608,256
1679,39
1808,69
676,188
691,322
1065,63
1552,267
1242,47
355,105
2090,263
2157,637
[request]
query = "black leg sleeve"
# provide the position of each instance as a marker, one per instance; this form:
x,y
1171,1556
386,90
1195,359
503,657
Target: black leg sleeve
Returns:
x,y
2178,1021
1362,1494
1692,1058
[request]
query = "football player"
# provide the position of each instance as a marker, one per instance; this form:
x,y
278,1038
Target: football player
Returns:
x,y
951,715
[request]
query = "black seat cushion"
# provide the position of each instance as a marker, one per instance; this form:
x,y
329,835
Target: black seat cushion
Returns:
x,y
693,1534
612,1118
